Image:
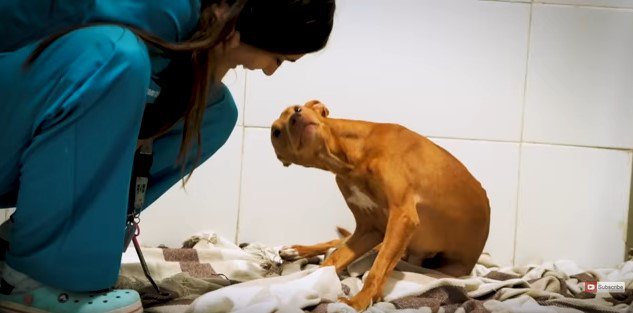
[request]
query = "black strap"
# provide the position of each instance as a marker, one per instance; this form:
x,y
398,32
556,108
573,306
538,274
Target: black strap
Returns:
x,y
171,105
143,159
5,287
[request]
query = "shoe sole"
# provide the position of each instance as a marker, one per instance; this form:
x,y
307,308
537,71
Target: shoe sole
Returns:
x,y
12,307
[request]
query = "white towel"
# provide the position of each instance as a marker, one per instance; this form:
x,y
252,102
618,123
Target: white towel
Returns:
x,y
277,294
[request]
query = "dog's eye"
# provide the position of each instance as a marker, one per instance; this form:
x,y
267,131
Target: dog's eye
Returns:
x,y
276,132
297,109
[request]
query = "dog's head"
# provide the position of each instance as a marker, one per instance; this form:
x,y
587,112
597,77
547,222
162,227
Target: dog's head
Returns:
x,y
300,133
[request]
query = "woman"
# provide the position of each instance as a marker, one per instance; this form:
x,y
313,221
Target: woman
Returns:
x,y
81,82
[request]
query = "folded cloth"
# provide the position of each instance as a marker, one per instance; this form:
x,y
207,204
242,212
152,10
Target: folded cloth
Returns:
x,y
209,269
289,293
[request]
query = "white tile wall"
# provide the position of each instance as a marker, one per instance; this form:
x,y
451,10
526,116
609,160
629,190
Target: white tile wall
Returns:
x,y
208,203
453,68
580,75
573,204
282,205
235,80
447,69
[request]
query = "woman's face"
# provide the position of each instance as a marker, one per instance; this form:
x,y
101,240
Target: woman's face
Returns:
x,y
253,58
234,52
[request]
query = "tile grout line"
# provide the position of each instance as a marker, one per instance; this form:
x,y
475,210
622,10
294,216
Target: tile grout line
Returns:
x,y
584,6
628,240
521,139
241,179
590,6
505,141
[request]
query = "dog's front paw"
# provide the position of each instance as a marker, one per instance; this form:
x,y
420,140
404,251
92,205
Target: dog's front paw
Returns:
x,y
358,307
360,302
289,253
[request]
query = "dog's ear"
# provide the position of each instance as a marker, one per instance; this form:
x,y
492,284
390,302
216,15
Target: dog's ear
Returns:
x,y
318,107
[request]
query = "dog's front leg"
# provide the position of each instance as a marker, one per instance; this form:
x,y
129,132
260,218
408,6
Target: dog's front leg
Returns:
x,y
362,240
402,222
296,252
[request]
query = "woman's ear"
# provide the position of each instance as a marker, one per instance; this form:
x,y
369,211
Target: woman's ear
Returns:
x,y
220,10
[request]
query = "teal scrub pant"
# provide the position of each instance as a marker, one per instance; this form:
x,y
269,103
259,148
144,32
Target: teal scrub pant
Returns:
x,y
68,133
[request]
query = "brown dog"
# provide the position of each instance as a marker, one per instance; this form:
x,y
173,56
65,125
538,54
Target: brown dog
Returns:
x,y
405,192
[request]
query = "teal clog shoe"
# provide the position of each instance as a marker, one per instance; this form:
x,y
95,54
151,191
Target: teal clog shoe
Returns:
x,y
51,300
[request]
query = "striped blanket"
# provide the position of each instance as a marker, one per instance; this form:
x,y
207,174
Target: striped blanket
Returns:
x,y
211,274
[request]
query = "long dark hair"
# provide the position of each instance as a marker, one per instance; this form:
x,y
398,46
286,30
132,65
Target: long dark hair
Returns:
x,y
277,26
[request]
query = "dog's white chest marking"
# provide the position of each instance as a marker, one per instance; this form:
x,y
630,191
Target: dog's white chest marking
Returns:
x,y
361,200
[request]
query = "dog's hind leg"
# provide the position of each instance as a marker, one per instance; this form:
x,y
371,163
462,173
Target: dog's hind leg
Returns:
x,y
455,268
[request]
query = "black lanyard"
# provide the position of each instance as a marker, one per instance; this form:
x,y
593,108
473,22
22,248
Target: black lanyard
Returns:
x,y
143,158
140,178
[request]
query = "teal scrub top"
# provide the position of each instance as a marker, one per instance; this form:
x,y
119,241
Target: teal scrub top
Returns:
x,y
25,21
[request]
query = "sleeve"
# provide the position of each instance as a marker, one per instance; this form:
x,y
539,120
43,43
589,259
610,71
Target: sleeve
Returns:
x,y
23,21
171,20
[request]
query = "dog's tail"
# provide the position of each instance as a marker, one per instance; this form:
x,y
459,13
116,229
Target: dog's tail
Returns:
x,y
342,232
